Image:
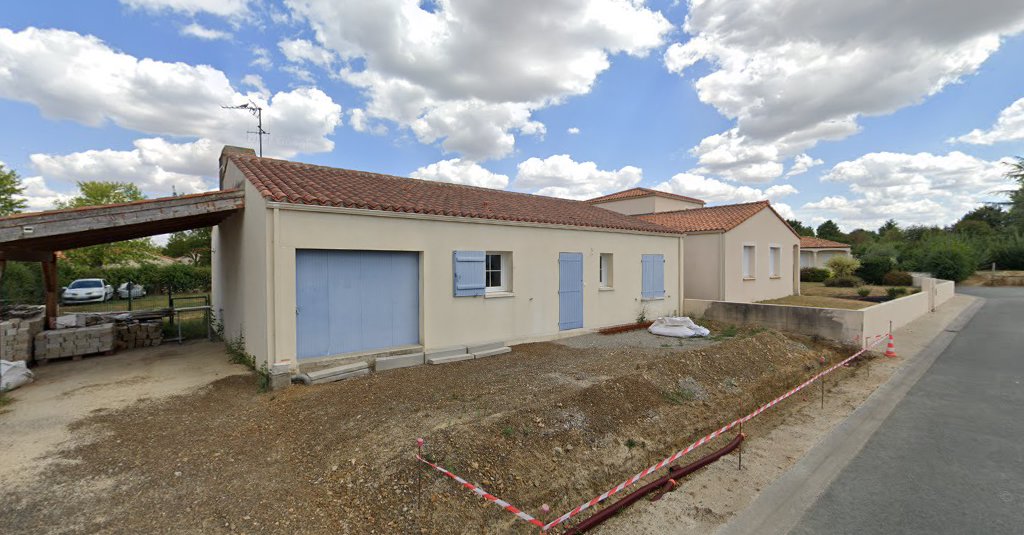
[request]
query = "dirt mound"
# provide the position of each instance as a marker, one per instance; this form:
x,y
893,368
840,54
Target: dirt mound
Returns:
x,y
544,424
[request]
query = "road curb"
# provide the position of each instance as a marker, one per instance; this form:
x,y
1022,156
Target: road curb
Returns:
x,y
781,505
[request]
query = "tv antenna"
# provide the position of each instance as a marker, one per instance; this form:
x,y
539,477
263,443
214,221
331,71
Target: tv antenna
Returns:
x,y
257,112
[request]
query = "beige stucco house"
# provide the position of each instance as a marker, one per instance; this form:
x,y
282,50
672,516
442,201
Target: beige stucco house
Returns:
x,y
736,252
326,262
816,252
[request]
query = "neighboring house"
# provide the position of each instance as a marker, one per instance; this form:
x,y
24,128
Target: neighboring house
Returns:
x,y
325,262
736,252
816,252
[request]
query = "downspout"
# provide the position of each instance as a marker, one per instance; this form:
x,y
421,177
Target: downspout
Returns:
x,y
272,279
721,266
681,288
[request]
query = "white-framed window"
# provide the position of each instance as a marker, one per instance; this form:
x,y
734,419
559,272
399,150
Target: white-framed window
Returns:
x,y
774,261
749,259
604,276
498,272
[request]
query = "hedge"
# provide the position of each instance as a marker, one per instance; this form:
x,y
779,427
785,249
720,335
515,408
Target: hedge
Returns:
x,y
898,278
22,281
844,281
814,274
873,268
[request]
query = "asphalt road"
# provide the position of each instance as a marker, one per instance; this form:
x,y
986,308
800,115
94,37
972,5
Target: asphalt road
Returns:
x,y
950,456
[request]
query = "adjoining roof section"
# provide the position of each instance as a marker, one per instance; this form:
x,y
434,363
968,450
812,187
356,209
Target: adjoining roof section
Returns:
x,y
642,192
714,219
810,242
299,183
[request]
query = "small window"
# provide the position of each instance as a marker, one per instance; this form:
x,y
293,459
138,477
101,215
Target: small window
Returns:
x,y
498,272
774,261
604,277
749,255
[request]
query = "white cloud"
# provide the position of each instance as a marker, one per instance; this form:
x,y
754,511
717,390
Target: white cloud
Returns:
x,y
223,8
717,191
255,81
261,58
38,195
1008,127
155,165
301,50
461,171
796,72
303,75
802,163
561,176
470,74
202,32
573,130
920,188
361,123
79,78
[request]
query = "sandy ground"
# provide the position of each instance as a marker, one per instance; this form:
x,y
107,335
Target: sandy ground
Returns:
x,y
637,338
37,423
709,498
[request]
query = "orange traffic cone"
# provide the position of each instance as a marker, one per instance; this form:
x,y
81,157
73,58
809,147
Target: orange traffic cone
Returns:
x,y
890,351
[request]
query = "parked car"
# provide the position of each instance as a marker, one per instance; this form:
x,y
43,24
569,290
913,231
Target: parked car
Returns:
x,y
138,290
87,291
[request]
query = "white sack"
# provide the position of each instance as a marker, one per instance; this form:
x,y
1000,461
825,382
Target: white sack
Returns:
x,y
13,374
677,326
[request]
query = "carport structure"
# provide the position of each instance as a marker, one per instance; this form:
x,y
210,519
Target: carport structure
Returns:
x,y
37,236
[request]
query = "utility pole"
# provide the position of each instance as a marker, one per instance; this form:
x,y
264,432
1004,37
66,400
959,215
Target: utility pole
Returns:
x,y
258,113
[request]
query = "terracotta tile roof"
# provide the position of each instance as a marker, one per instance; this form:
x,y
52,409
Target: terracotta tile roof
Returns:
x,y
715,218
642,192
810,242
299,183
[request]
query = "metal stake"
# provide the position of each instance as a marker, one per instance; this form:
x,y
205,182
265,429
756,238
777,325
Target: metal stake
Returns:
x,y
740,466
822,392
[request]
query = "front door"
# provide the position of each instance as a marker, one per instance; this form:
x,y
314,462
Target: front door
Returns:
x,y
570,291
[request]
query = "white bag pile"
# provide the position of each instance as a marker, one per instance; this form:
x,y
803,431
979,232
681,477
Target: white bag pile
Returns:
x,y
13,374
679,327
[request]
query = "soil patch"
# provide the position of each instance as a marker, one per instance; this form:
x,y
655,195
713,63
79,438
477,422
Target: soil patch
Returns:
x,y
546,423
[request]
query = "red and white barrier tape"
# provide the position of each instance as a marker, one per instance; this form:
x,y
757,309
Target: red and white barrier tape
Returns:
x,y
668,460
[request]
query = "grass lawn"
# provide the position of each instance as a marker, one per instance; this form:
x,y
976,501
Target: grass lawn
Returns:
x,y
147,302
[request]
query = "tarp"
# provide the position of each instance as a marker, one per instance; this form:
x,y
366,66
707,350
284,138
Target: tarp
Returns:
x,y
677,326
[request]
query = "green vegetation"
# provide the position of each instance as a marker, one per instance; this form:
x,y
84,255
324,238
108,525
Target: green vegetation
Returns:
x,y
863,292
844,281
898,291
898,278
842,266
814,274
11,190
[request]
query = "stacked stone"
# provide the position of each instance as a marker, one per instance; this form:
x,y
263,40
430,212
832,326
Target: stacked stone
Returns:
x,y
139,334
74,342
17,335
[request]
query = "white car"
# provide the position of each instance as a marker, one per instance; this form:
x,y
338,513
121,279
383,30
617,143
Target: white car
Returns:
x,y
87,291
138,291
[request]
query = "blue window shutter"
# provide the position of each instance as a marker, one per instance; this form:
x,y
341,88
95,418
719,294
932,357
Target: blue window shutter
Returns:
x,y
652,276
468,271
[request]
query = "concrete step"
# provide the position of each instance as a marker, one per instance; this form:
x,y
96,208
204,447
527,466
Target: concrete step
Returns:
x,y
337,370
339,377
446,352
450,358
492,352
479,348
398,361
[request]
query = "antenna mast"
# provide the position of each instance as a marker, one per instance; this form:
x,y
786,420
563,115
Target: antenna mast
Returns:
x,y
257,112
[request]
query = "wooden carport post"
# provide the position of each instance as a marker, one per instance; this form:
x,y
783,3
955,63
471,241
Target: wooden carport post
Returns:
x,y
50,285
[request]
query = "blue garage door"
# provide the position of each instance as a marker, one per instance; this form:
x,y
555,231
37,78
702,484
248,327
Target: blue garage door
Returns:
x,y
350,301
570,291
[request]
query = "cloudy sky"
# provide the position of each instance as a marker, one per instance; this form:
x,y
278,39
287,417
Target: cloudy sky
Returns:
x,y
854,111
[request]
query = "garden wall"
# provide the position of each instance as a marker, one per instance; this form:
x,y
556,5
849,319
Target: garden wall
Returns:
x,y
837,324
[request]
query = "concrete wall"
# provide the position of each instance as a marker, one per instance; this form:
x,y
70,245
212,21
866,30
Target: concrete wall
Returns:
x,y
664,204
648,205
240,284
702,266
529,313
833,323
853,326
762,230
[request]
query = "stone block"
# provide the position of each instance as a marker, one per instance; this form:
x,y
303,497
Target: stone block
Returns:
x,y
450,358
337,370
492,352
339,377
398,361
479,348
446,352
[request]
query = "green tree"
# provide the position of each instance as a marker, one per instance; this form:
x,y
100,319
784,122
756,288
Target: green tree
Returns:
x,y
890,231
829,230
800,228
191,244
93,193
993,216
11,191
1015,217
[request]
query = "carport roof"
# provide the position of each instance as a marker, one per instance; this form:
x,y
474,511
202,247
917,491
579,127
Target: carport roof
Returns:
x,y
36,235
300,183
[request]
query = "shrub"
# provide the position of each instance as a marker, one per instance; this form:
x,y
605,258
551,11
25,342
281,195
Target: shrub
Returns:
x,y
898,278
814,274
842,265
950,261
893,293
1009,254
863,292
845,281
873,268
